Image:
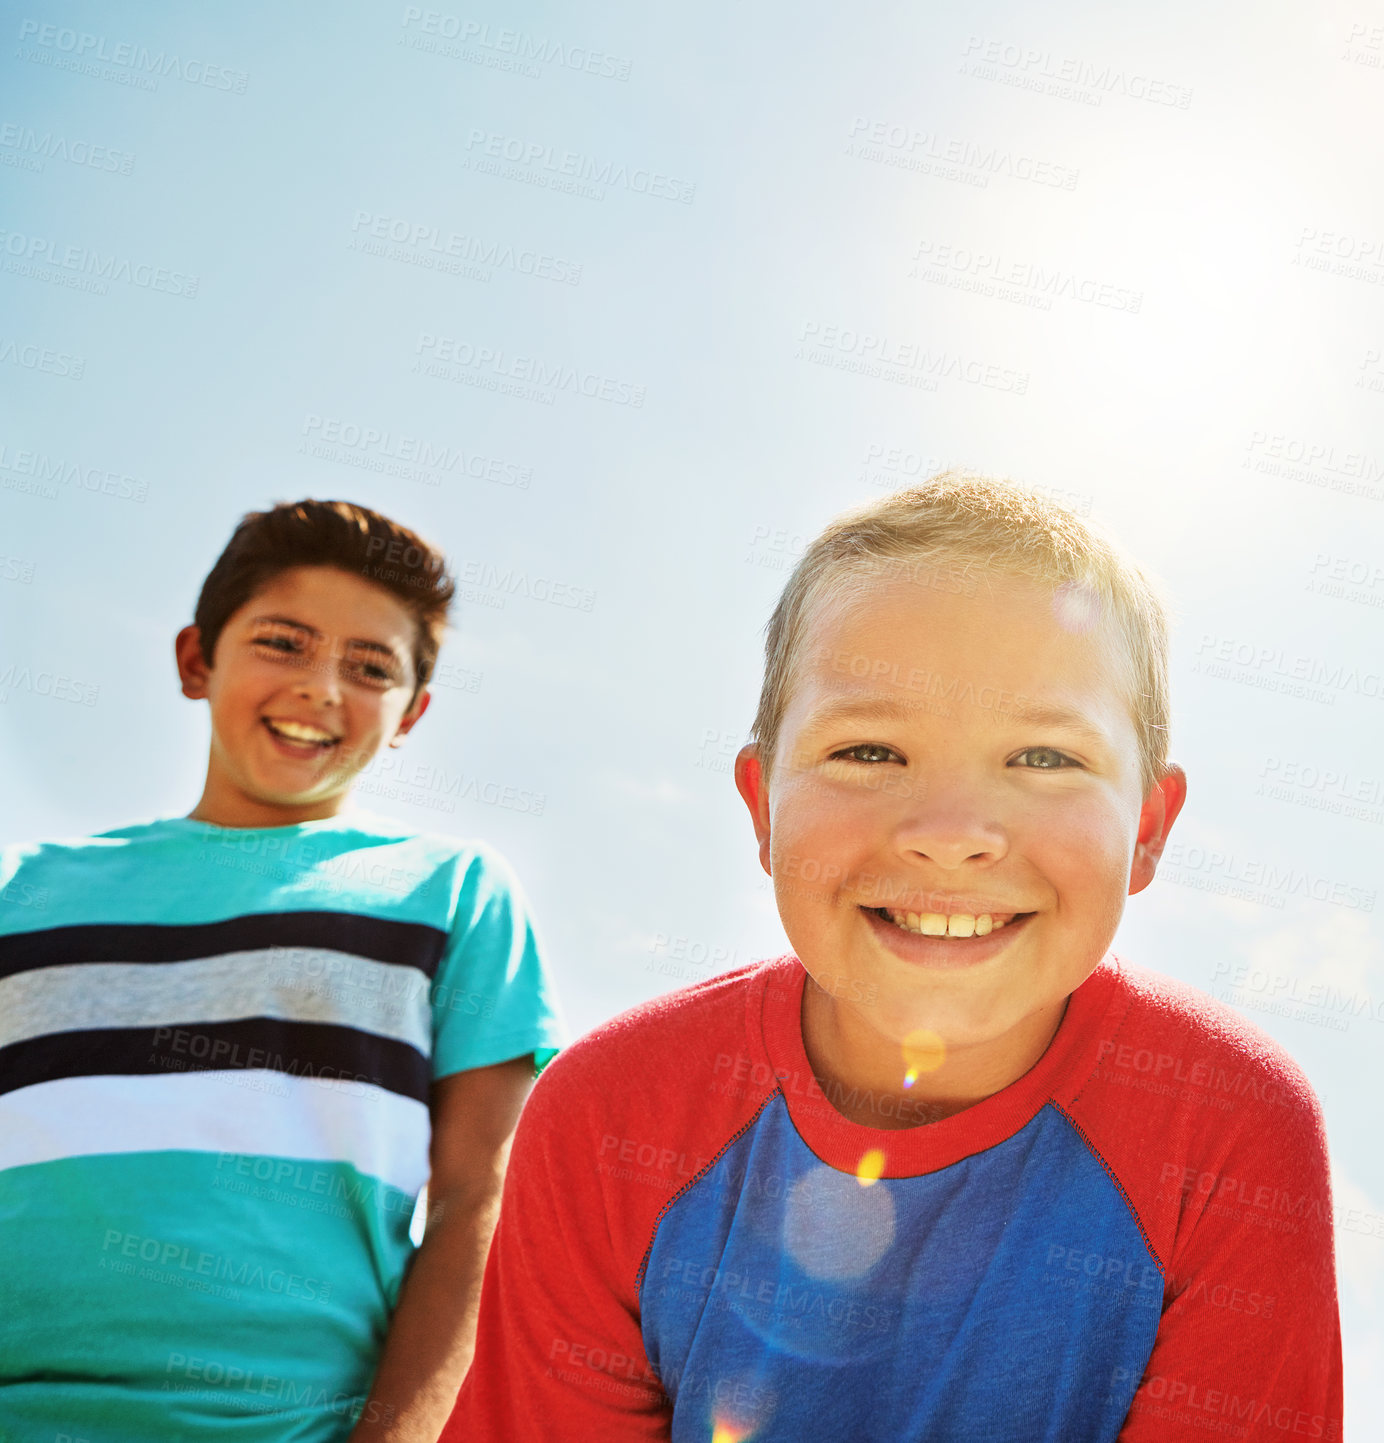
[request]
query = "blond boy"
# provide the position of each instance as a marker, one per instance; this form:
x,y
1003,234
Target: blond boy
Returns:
x,y
952,1170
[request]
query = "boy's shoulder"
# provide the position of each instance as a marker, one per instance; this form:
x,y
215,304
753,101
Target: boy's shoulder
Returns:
x,y
648,1054
359,860
345,830
1166,1037
1205,1122
1154,1039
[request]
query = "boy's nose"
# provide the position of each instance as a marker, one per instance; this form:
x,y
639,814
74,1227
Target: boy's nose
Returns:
x,y
951,826
320,684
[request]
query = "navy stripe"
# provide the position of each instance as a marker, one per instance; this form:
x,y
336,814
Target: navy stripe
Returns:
x,y
304,1049
406,944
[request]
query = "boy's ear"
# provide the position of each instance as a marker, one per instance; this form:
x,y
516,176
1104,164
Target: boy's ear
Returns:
x,y
753,788
410,717
193,670
1156,819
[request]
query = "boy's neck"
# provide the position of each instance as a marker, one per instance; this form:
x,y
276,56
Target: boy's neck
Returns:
x,y
228,807
853,1064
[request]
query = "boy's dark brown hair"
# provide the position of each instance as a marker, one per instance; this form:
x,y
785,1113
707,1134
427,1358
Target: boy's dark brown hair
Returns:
x,y
351,538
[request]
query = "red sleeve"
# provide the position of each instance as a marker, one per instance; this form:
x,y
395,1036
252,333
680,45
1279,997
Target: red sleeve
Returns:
x,y
615,1127
558,1347
1218,1139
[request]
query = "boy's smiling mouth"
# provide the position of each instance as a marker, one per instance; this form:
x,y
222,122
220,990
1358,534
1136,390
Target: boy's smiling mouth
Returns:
x,y
302,737
947,924
944,939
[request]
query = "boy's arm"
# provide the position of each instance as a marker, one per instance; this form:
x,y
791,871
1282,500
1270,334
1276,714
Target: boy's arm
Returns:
x,y
1250,1338
432,1333
559,1353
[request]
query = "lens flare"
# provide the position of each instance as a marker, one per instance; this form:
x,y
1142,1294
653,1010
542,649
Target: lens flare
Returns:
x,y
1077,606
871,1167
923,1051
834,1230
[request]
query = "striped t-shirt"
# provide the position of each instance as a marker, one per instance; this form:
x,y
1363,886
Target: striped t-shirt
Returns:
x,y
216,1046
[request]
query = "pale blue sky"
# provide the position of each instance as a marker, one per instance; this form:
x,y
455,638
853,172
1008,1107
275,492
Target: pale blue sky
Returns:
x,y
1189,348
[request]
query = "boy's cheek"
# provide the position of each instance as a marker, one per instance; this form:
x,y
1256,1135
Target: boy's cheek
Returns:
x,y
807,868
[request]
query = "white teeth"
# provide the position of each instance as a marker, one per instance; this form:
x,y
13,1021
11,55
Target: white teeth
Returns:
x,y
297,732
938,924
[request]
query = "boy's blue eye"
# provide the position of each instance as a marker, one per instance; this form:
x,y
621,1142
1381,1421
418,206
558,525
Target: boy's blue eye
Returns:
x,y
278,643
1053,759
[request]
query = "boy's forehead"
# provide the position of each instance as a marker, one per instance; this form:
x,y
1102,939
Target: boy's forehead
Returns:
x,y
1013,646
329,589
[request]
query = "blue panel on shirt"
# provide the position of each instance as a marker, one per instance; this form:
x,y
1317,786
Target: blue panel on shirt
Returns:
x,y
1007,1297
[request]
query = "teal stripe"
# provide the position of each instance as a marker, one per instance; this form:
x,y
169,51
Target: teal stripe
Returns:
x,y
187,1295
173,872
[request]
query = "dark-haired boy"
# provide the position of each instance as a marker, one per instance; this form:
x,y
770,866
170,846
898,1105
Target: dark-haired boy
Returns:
x,y
235,1045
953,1171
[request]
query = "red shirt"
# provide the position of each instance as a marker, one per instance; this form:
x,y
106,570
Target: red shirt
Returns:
x,y
1132,1241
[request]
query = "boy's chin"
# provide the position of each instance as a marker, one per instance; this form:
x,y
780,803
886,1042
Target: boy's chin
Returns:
x,y
939,1005
326,791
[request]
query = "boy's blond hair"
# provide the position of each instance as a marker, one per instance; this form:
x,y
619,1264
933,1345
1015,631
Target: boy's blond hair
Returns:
x,y
951,523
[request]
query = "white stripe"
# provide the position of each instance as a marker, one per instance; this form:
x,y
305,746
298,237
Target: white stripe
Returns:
x,y
252,1113
295,984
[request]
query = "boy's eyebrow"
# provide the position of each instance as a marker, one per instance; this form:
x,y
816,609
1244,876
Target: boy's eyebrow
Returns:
x,y
876,706
360,643
1050,714
866,706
